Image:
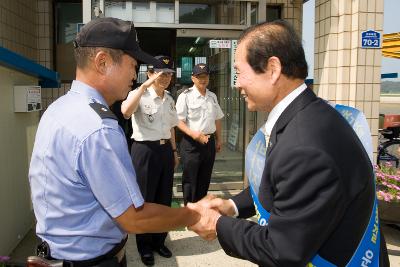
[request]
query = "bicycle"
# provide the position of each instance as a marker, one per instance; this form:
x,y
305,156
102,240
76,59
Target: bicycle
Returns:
x,y
389,150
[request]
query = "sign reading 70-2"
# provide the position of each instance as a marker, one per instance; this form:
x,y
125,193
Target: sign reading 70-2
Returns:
x,y
370,39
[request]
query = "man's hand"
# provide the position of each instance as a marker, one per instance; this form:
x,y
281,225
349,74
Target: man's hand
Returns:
x,y
223,206
206,226
218,146
150,80
199,137
176,160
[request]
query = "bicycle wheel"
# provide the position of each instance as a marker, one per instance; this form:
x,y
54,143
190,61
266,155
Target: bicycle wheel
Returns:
x,y
390,152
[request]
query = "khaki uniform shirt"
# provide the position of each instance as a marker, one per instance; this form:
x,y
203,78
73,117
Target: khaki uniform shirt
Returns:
x,y
199,112
154,117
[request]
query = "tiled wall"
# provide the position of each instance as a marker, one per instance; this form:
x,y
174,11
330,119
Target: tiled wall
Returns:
x,y
18,31
45,33
344,72
26,28
49,95
292,11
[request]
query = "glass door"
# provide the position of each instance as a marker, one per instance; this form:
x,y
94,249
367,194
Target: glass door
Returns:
x,y
217,53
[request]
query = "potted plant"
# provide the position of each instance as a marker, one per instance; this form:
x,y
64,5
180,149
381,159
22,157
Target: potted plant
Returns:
x,y
388,192
4,260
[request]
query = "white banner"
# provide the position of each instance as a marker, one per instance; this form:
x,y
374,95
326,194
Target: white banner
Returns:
x,y
233,71
220,43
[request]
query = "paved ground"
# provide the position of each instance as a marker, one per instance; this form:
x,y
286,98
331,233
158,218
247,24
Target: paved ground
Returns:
x,y
392,236
191,251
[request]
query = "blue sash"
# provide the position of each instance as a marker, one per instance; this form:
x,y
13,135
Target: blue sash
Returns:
x,y
367,253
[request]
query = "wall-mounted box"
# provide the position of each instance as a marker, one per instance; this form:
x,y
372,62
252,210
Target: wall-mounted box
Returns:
x,y
27,98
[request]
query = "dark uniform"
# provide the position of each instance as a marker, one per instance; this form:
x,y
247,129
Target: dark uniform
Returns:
x,y
153,155
199,113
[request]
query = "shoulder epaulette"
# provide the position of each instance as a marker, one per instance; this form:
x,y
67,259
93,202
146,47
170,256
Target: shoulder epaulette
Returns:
x,y
169,96
103,111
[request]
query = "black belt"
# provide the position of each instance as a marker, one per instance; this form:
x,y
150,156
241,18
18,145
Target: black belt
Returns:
x,y
114,252
156,142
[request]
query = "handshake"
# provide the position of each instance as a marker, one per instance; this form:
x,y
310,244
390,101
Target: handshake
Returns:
x,y
210,208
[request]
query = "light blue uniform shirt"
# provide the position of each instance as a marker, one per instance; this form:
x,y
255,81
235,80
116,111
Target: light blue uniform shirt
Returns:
x,y
81,177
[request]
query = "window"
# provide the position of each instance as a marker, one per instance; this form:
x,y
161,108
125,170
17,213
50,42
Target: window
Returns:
x,y
165,12
213,12
68,17
274,12
254,13
138,11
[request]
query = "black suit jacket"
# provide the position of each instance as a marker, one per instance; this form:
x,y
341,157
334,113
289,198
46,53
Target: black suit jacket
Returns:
x,y
318,186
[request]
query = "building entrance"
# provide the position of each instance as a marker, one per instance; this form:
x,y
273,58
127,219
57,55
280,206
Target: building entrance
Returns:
x,y
193,47
189,47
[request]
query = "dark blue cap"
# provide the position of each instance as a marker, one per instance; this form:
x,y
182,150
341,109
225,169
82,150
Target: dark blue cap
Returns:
x,y
113,33
200,69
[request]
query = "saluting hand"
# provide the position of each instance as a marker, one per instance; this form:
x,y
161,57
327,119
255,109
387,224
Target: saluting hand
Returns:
x,y
151,80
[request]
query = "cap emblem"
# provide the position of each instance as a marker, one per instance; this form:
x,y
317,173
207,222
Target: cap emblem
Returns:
x,y
202,66
166,61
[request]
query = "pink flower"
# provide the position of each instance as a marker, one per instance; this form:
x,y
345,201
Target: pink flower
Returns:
x,y
4,258
387,182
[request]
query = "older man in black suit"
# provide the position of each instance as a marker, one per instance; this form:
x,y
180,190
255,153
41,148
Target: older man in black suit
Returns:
x,y
315,197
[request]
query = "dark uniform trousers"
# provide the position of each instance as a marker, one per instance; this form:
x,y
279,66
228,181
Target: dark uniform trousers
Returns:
x,y
154,167
197,162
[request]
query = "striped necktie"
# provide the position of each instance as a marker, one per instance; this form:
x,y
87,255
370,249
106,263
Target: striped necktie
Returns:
x,y
267,137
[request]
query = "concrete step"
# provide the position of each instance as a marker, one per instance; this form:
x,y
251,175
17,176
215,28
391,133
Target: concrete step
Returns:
x,y
226,186
216,174
178,195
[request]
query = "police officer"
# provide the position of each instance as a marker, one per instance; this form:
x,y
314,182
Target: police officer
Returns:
x,y
200,120
84,190
153,149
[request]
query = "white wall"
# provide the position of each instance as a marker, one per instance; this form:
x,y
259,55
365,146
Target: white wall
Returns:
x,y
17,132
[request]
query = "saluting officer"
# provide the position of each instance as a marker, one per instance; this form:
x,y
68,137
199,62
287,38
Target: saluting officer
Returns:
x,y
153,150
200,120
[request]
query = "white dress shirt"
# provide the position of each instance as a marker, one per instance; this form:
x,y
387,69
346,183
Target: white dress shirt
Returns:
x,y
273,117
276,112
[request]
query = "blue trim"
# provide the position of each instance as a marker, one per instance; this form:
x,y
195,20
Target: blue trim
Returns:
x,y
309,81
389,75
10,59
